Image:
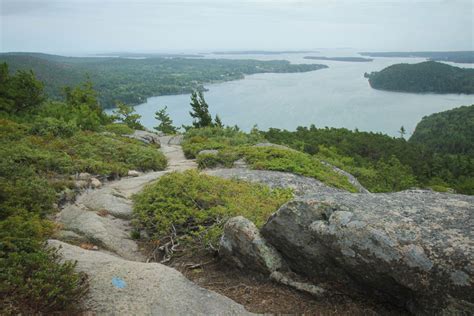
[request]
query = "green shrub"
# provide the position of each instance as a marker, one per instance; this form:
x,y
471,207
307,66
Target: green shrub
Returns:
x,y
51,126
118,129
224,158
277,159
197,206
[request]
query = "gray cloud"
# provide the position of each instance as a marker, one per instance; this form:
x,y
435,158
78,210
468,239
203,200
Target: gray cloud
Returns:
x,y
107,25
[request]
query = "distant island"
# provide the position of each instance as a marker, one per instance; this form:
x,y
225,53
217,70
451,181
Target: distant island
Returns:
x,y
462,57
133,80
264,52
349,59
425,77
148,55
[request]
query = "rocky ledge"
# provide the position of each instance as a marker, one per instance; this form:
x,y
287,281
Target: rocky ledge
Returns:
x,y
413,249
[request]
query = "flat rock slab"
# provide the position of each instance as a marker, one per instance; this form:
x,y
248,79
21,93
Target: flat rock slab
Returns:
x,y
274,179
121,287
412,248
107,232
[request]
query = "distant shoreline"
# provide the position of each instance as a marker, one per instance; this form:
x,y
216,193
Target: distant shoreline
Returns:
x,y
345,59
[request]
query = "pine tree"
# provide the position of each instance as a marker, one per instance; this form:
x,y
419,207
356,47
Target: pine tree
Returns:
x,y
402,132
165,122
218,121
200,111
126,114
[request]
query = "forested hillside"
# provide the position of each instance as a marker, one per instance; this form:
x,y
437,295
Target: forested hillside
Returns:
x,y
383,163
133,80
424,77
450,132
456,57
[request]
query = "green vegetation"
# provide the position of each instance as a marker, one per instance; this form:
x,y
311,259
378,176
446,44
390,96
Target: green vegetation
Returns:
x,y
165,122
234,144
126,115
466,57
200,110
132,81
424,77
194,207
449,132
43,144
380,162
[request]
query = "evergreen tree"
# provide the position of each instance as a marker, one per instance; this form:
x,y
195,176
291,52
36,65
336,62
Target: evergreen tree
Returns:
x,y
20,92
218,121
200,111
126,114
165,122
402,132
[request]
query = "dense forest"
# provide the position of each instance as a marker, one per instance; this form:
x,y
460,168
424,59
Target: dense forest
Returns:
x,y
424,77
132,81
348,59
465,57
449,132
384,163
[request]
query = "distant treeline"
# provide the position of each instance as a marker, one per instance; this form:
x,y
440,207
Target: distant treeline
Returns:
x,y
424,77
349,59
466,57
132,81
439,155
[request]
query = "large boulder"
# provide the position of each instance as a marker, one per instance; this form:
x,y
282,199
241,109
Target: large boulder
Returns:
x,y
122,287
242,245
412,248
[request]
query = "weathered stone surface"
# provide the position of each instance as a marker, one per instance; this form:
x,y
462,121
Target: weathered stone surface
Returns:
x,y
209,152
242,244
121,287
353,180
110,233
95,183
274,179
109,199
133,173
84,176
146,137
413,248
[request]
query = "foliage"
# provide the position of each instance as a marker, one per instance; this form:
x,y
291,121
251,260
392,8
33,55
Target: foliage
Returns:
x,y
427,76
126,115
234,144
165,122
118,129
132,81
196,206
450,132
218,121
200,111
41,147
364,150
19,92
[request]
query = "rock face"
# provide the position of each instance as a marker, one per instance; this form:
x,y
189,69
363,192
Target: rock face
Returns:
x,y
412,248
274,179
121,287
146,137
243,245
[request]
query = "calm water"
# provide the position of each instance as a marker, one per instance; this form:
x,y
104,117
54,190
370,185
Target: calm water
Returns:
x,y
339,96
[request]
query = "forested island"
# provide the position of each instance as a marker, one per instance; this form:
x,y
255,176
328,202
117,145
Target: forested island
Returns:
x,y
263,52
348,59
134,80
462,57
425,77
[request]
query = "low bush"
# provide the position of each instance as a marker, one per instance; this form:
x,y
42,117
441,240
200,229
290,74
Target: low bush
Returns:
x,y
118,129
195,206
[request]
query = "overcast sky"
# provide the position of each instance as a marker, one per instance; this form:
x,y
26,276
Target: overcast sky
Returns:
x,y
80,26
